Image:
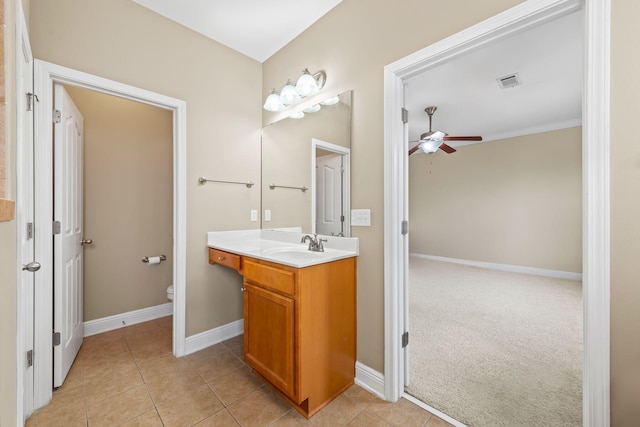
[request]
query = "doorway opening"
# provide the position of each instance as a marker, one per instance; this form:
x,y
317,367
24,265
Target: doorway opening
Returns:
x,y
495,232
595,189
331,189
46,75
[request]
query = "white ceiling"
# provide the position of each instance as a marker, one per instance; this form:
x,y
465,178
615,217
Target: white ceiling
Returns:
x,y
256,28
548,59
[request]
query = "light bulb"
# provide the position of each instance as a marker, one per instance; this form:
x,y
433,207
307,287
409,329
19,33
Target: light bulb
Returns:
x,y
288,94
312,109
273,102
306,84
331,101
430,146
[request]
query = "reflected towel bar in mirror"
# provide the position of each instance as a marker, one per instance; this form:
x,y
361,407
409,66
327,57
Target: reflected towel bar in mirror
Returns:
x,y
273,187
203,180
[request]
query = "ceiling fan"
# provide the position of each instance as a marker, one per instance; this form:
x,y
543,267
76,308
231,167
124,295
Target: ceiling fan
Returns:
x,y
431,141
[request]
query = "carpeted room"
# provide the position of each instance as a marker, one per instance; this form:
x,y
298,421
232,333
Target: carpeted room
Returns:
x,y
494,347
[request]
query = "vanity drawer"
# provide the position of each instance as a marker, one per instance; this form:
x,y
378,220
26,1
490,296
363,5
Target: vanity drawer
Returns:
x,y
277,279
227,259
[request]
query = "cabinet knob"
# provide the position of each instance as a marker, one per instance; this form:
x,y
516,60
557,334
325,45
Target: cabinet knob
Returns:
x,y
243,289
220,258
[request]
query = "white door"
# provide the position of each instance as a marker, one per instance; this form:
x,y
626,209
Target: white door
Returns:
x,y
329,216
25,216
67,244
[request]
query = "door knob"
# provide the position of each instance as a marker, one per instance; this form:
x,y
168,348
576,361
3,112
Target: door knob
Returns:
x,y
32,267
86,241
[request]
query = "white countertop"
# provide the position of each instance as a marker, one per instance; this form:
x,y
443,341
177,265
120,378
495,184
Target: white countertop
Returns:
x,y
283,247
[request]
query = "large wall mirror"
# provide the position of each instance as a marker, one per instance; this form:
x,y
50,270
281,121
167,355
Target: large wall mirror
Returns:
x,y
306,170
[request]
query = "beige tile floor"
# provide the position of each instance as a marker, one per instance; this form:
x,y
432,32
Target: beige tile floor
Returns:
x,y
128,377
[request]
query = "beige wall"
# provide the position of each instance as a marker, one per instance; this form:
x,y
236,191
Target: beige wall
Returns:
x,y
516,201
625,211
353,43
123,41
128,202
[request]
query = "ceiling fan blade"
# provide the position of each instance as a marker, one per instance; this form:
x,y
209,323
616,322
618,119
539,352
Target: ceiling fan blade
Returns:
x,y
414,149
444,147
462,138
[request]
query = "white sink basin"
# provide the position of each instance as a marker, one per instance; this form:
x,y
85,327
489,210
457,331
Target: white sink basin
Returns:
x,y
295,253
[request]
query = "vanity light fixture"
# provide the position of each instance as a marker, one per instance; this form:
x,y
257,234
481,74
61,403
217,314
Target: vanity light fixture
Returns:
x,y
312,108
307,85
297,115
331,101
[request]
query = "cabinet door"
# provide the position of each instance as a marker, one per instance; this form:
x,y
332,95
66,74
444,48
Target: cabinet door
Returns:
x,y
269,336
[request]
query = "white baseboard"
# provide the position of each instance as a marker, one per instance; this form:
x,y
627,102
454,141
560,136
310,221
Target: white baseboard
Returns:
x,y
118,321
556,274
213,336
370,379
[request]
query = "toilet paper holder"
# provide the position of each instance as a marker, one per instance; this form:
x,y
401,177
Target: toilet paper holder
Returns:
x,y
146,259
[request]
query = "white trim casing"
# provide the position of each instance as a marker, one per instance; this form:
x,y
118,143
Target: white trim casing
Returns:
x,y
596,148
556,274
370,379
45,74
214,336
24,402
596,255
433,410
117,321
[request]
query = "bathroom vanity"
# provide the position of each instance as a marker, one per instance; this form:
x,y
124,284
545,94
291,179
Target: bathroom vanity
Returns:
x,y
299,312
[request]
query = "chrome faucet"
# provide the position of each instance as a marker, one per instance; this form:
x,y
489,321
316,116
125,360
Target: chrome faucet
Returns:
x,y
315,244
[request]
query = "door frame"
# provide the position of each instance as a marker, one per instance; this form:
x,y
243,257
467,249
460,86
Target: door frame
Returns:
x,y
346,184
45,74
596,191
24,395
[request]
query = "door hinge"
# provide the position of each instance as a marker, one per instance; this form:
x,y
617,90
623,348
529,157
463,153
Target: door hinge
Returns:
x,y
29,358
341,218
57,116
405,227
29,230
56,338
405,115
405,339
56,227
30,98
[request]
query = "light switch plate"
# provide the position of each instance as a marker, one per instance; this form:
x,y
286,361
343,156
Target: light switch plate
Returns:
x,y
267,214
361,217
254,215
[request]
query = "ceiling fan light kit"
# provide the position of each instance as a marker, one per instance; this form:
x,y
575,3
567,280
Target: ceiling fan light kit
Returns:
x,y
431,141
430,146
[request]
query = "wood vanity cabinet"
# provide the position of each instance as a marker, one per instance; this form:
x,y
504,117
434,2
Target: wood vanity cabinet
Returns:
x,y
227,259
300,329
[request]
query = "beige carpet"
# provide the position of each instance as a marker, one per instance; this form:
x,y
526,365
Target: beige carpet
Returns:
x,y
492,348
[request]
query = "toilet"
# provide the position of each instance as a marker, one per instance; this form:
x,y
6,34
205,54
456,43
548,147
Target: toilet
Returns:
x,y
170,293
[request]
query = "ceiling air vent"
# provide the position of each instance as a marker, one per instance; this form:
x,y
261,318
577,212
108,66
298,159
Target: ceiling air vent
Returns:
x,y
506,82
